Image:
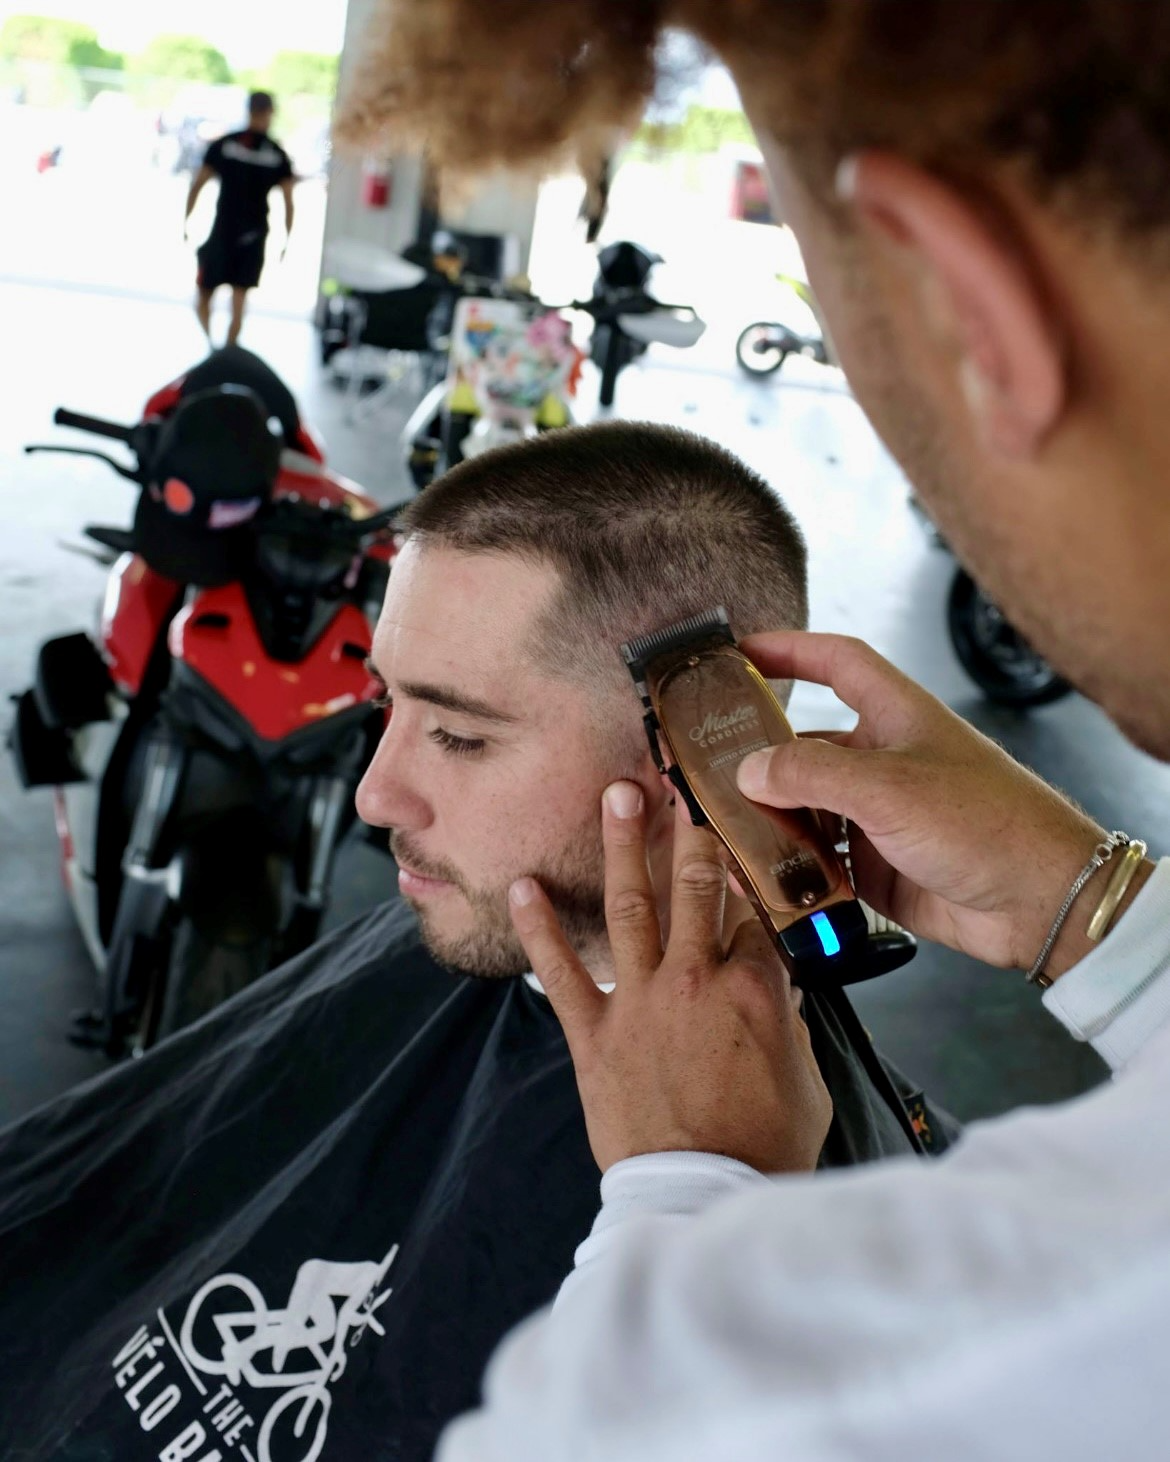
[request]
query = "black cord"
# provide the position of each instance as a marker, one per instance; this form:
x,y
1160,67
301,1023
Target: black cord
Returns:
x,y
858,1037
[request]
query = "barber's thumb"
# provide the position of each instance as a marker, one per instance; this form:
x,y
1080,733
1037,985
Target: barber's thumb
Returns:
x,y
801,773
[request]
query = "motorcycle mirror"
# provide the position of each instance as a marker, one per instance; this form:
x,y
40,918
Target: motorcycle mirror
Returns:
x,y
128,473
104,557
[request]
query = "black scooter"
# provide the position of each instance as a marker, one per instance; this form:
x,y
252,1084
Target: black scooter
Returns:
x,y
764,346
627,317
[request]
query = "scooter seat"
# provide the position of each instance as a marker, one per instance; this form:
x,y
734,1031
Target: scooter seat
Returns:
x,y
664,327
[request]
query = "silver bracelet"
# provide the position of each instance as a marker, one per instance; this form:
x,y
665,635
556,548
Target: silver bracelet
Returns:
x,y
1101,855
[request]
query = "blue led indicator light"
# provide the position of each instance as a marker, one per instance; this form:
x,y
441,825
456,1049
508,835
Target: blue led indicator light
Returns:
x,y
826,934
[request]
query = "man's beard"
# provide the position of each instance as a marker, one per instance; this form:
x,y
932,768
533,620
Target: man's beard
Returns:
x,y
489,948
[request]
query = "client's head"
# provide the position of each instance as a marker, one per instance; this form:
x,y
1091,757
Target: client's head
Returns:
x,y
523,571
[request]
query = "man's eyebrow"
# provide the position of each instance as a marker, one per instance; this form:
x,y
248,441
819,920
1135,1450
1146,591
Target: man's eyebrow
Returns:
x,y
448,698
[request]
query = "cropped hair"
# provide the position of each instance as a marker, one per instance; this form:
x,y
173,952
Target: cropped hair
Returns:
x,y
645,525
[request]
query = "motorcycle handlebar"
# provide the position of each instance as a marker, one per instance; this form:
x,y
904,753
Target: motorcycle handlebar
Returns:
x,y
377,522
95,425
311,521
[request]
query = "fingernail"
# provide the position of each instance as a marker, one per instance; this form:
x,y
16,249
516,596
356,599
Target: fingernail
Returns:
x,y
624,799
522,892
752,773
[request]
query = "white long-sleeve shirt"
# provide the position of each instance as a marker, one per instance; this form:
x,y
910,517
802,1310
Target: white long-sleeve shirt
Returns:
x,y
1008,1301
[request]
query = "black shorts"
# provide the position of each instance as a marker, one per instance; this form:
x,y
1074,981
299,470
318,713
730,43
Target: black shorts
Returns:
x,y
231,260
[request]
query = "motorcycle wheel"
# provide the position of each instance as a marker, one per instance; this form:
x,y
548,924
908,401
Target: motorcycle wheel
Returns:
x,y
198,976
759,349
996,657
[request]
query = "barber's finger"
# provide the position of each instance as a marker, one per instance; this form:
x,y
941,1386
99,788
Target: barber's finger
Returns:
x,y
853,670
567,983
838,738
752,942
807,773
698,890
874,879
753,945
631,909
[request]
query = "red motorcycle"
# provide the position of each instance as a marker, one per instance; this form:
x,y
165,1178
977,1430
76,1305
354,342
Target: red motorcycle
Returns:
x,y
205,744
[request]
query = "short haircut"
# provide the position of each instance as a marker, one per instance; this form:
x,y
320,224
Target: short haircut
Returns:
x,y
646,525
261,101
1072,92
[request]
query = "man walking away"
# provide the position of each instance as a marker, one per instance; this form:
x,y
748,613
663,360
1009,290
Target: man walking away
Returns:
x,y
248,164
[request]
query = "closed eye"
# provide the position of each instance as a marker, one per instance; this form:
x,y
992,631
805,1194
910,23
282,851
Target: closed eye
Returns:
x,y
456,745
453,745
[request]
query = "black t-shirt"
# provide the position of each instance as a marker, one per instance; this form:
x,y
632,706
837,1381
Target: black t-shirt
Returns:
x,y
249,165
319,1208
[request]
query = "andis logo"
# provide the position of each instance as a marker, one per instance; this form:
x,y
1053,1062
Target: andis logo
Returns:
x,y
717,727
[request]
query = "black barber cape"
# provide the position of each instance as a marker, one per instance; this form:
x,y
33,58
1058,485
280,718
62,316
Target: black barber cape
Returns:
x,y
298,1229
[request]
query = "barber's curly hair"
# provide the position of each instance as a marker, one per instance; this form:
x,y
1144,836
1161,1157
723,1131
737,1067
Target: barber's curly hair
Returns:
x,y
1076,92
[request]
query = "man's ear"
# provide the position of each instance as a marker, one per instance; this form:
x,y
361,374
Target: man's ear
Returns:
x,y
659,794
978,289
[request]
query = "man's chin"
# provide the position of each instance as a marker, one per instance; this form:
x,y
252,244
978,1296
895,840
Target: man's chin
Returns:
x,y
476,953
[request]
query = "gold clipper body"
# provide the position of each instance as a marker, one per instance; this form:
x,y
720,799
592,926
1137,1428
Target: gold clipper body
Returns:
x,y
707,707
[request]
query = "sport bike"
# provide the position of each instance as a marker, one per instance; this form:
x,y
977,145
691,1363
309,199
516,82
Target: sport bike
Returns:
x,y
204,742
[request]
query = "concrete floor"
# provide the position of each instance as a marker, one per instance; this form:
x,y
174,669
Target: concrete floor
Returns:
x,y
977,1038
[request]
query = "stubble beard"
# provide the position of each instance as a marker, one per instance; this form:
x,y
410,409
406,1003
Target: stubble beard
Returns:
x,y
486,947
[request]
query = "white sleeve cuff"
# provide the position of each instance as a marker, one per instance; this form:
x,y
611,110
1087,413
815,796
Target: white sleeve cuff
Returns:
x,y
658,1189
1118,996
675,1183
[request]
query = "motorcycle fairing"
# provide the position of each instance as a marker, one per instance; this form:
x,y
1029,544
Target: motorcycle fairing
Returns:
x,y
217,637
136,606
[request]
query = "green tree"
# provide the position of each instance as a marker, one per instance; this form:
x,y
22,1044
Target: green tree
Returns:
x,y
302,73
185,58
88,55
55,42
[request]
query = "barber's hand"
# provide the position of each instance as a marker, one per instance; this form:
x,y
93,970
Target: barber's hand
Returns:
x,y
696,1049
948,835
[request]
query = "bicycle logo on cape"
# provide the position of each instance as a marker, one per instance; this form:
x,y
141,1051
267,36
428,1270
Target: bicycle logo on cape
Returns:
x,y
230,1331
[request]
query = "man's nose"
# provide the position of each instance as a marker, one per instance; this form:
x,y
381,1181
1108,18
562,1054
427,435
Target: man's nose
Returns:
x,y
387,796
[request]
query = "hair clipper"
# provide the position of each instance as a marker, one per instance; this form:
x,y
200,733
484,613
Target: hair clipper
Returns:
x,y
706,708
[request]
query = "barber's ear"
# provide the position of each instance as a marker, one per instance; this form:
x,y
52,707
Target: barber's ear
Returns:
x,y
978,291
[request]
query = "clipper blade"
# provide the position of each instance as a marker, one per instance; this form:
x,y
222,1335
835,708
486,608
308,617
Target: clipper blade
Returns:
x,y
711,624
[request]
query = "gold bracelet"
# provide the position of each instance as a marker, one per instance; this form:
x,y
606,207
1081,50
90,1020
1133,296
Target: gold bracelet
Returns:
x,y
1101,855
1118,886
